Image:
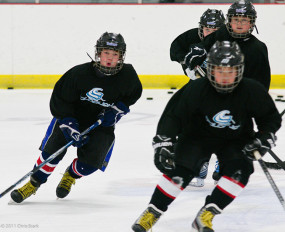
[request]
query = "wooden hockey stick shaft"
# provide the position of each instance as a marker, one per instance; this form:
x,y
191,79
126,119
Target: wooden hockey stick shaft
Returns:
x,y
49,159
269,178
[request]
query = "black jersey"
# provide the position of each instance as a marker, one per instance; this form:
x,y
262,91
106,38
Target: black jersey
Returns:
x,y
256,63
83,92
202,112
180,45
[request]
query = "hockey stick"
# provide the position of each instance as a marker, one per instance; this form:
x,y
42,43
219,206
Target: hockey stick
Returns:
x,y
52,157
269,178
273,165
280,164
282,113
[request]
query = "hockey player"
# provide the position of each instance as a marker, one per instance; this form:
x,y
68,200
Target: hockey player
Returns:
x,y
79,97
241,18
210,21
216,116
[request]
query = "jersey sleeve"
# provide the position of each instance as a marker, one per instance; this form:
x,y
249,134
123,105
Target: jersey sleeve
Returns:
x,y
257,64
263,110
180,45
64,96
134,89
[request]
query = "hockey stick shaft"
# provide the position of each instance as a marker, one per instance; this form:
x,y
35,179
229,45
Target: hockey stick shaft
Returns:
x,y
282,113
49,159
269,178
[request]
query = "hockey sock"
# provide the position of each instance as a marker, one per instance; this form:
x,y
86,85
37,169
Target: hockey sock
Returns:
x,y
78,169
225,192
42,174
166,191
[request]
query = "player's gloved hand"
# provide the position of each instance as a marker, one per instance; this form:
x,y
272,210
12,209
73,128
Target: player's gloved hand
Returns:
x,y
163,153
70,130
196,55
262,143
113,114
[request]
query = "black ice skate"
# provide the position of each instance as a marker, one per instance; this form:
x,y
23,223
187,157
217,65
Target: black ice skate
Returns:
x,y
19,195
216,174
203,220
65,185
147,219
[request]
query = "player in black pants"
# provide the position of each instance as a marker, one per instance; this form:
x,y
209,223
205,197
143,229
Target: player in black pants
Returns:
x,y
106,85
215,114
241,20
210,21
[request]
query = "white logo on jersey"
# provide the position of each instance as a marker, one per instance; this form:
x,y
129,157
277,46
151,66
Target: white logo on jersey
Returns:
x,y
222,120
96,96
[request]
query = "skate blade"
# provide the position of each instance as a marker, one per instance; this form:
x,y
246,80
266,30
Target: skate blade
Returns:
x,y
196,185
11,202
193,230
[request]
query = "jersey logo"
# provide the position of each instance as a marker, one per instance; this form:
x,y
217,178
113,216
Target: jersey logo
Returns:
x,y
222,120
96,96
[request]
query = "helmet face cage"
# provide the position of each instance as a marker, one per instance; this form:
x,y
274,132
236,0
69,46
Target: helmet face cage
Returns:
x,y
114,42
211,18
225,55
241,9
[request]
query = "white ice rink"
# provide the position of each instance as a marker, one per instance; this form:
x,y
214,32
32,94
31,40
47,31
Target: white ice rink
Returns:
x,y
111,201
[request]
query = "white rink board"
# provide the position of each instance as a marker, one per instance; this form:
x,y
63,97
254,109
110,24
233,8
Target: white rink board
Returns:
x,y
50,39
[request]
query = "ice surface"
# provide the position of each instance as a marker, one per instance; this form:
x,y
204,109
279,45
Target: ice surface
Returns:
x,y
111,201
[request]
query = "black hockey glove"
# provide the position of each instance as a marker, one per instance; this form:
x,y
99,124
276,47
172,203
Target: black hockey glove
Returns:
x,y
163,153
114,114
70,130
196,55
262,143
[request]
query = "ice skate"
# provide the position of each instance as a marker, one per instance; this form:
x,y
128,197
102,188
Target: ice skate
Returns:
x,y
202,176
203,220
198,183
216,174
147,219
65,185
19,195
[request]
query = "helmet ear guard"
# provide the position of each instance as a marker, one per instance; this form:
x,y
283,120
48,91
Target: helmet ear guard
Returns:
x,y
211,18
225,54
110,41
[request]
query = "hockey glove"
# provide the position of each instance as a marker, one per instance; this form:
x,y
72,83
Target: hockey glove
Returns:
x,y
70,130
196,55
114,114
263,143
163,153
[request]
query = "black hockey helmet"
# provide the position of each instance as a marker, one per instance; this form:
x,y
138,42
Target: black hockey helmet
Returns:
x,y
242,8
211,18
225,54
110,41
